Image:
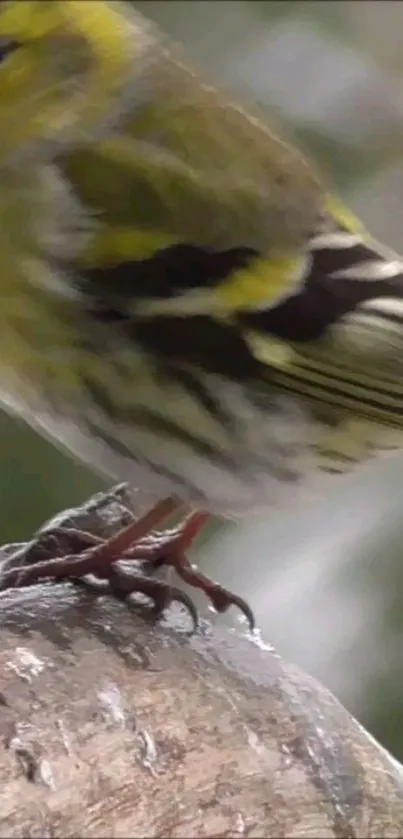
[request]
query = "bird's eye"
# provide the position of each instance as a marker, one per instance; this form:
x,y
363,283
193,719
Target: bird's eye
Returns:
x,y
7,47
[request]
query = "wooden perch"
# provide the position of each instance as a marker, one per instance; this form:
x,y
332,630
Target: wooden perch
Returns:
x,y
111,725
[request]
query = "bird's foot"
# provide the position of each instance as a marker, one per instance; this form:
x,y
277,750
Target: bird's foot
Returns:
x,y
169,548
142,550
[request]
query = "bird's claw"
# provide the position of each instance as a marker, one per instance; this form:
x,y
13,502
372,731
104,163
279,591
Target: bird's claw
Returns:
x,y
123,584
222,599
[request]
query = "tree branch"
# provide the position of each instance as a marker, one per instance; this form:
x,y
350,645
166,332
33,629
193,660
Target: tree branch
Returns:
x,y
111,725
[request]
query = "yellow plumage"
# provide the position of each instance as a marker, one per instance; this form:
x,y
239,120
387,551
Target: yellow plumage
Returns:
x,y
67,74
177,291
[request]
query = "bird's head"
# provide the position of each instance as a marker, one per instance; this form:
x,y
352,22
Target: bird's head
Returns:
x,y
65,71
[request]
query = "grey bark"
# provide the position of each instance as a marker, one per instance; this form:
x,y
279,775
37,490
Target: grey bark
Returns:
x,y
111,725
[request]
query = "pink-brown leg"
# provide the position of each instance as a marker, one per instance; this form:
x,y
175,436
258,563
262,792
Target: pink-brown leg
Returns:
x,y
138,541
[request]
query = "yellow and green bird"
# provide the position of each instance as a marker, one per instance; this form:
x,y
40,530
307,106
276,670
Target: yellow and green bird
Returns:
x,y
182,303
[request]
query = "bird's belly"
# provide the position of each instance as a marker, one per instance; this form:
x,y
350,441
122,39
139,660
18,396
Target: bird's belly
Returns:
x,y
273,453
174,446
164,441
282,459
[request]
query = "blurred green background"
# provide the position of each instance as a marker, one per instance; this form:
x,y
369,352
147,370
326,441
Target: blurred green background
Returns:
x,y
326,585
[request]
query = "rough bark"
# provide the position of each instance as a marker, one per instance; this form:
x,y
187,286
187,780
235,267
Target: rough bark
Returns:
x,y
111,725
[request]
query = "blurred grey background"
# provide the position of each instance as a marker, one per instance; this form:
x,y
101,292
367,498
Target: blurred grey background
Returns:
x,y
326,585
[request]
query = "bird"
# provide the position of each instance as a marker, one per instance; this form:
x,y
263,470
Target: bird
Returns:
x,y
185,304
